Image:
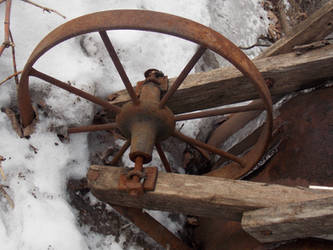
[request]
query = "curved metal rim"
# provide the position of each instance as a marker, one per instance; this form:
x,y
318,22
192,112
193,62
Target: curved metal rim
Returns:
x,y
156,22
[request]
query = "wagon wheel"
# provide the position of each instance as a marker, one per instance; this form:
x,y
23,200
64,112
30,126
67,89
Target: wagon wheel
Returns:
x,y
146,120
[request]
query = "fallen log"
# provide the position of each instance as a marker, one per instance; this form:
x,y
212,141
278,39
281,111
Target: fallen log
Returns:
x,y
198,195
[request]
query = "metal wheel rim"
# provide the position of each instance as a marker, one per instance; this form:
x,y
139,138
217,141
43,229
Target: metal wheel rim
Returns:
x,y
161,23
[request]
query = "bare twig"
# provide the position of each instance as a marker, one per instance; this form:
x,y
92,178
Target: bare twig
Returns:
x,y
258,43
6,43
1,1
10,201
10,77
44,8
254,45
14,58
2,174
1,170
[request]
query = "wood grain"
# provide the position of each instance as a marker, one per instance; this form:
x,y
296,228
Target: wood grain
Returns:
x,y
291,221
198,195
227,85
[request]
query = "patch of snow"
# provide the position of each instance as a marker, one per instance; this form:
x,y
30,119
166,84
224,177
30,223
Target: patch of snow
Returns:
x,y
164,218
102,242
242,22
286,5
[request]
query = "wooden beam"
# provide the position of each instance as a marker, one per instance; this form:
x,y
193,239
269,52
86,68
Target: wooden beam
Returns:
x,y
198,195
291,221
304,33
314,28
227,85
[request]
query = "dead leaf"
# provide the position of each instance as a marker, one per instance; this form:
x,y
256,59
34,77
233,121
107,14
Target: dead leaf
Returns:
x,y
33,148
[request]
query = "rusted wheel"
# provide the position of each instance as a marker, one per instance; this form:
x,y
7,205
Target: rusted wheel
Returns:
x,y
146,120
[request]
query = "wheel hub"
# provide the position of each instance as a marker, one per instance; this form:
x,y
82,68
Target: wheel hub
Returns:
x,y
146,123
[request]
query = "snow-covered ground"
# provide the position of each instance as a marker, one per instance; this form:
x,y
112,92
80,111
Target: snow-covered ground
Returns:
x,y
38,168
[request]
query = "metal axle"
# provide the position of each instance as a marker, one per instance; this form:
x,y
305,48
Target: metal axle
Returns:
x,y
146,123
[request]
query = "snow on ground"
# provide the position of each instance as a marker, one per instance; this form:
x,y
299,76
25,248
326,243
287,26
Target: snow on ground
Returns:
x,y
37,169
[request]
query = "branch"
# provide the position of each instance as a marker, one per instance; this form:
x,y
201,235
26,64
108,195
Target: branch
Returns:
x,y
1,170
10,201
1,1
44,8
6,43
14,58
10,77
257,44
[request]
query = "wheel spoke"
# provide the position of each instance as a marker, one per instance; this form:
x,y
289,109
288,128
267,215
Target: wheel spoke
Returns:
x,y
113,54
163,157
89,128
208,147
182,75
256,105
74,90
120,153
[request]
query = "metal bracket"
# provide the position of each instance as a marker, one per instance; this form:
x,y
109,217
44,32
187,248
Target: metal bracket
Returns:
x,y
155,76
147,180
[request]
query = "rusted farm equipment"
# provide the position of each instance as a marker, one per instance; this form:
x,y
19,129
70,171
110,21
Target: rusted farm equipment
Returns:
x,y
146,121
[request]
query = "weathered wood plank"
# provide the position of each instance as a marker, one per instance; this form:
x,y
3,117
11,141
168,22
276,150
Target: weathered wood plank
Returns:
x,y
227,85
291,221
304,33
198,195
314,28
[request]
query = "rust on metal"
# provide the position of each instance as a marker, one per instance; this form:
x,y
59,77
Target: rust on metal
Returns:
x,y
113,54
146,120
155,76
189,66
158,77
163,158
222,111
158,122
120,153
78,92
139,179
210,148
303,158
146,123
